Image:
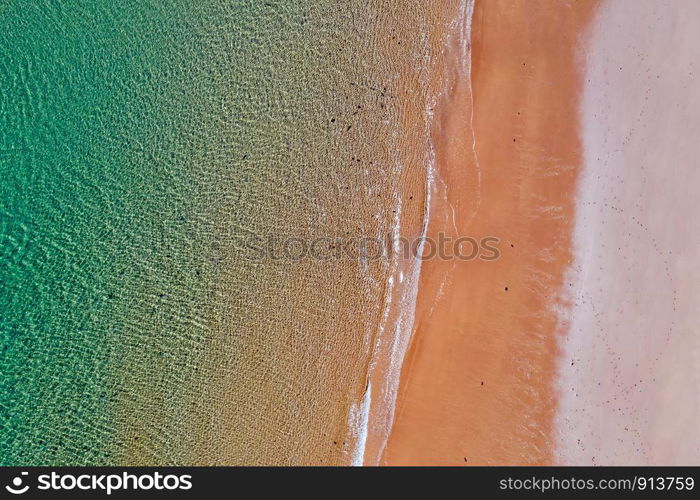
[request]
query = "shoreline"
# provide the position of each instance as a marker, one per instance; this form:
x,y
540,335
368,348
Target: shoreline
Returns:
x,y
485,331
371,417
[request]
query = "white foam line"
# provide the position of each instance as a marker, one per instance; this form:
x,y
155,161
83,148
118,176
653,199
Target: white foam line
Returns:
x,y
359,415
400,339
404,324
359,423
467,58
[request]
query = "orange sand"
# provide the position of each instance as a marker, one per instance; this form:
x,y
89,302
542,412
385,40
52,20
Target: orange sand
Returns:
x,y
477,384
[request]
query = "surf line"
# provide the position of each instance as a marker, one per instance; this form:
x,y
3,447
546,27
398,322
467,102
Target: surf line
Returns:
x,y
372,419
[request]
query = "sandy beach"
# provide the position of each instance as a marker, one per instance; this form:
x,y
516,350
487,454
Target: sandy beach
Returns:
x,y
477,385
362,233
630,372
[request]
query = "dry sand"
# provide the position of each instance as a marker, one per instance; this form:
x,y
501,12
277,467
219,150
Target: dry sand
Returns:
x,y
630,375
477,383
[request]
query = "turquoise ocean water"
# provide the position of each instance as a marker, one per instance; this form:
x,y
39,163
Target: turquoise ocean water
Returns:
x,y
140,144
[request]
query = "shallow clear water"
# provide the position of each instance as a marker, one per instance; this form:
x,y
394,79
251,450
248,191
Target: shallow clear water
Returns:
x,y
140,145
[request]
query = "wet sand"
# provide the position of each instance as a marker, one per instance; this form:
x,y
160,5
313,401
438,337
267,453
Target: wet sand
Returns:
x,y
421,84
477,384
630,374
